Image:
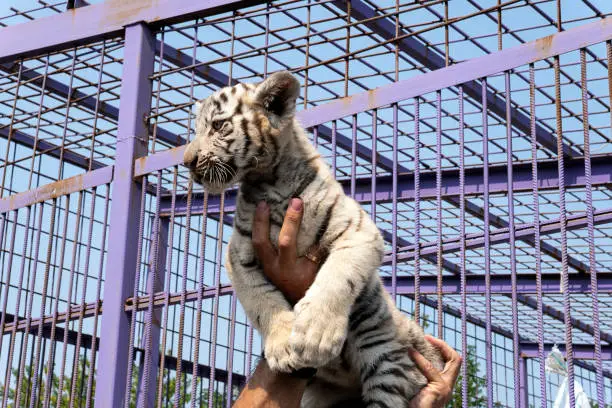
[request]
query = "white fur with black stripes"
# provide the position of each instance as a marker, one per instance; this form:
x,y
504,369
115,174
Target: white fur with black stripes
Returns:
x,y
346,324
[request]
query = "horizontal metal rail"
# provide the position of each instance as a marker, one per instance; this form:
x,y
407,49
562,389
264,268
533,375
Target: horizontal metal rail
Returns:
x,y
103,20
56,189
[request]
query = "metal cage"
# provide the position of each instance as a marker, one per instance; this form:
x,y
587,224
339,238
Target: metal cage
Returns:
x,y
477,134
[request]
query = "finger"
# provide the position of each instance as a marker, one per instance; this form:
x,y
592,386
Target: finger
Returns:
x,y
287,240
261,234
450,356
425,366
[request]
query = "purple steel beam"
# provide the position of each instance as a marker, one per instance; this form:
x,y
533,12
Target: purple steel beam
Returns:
x,y
70,185
50,149
134,106
581,351
500,284
430,59
498,182
474,182
559,43
155,317
103,20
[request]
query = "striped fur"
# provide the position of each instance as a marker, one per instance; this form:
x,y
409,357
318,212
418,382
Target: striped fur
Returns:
x,y
347,324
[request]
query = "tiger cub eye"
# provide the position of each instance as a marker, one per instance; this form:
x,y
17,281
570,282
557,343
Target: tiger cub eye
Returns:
x,y
218,124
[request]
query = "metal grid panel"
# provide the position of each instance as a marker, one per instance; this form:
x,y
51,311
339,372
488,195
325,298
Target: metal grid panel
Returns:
x,y
343,49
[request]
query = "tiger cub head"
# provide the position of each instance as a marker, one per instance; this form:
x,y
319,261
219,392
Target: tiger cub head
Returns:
x,y
241,129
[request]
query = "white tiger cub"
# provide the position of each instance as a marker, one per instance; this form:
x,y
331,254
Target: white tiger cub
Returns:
x,y
346,324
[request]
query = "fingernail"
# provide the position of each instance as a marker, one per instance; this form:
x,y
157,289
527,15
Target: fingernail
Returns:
x,y
262,206
296,204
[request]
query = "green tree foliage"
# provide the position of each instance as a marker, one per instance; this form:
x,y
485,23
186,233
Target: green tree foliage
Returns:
x,y
63,397
80,397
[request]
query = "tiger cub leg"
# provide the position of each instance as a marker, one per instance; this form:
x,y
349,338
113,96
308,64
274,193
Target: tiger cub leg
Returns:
x,y
389,377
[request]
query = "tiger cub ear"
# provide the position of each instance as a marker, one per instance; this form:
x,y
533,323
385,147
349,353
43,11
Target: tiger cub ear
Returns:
x,y
277,95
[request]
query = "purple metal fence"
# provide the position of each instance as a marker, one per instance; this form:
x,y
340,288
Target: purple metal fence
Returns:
x,y
443,120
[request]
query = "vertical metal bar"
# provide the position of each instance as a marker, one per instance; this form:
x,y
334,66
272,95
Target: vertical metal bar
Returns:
x,y
536,223
464,348
487,245
266,41
417,212
334,148
374,160
136,297
30,295
591,233
354,156
158,89
499,26
563,226
523,401
394,205
198,323
439,211
166,308
7,286
13,335
66,116
215,319
69,296
94,338
51,360
131,144
307,58
34,384
156,277
83,299
609,64
10,133
509,159
446,36
94,125
348,47
178,395
38,116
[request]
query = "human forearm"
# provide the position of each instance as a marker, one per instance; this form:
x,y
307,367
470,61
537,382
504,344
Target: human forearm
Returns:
x,y
267,389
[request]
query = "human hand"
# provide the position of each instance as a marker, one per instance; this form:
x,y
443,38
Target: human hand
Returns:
x,y
439,390
290,274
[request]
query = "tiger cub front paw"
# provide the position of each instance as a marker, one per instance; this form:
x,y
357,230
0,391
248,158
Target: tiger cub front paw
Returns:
x,y
318,334
278,352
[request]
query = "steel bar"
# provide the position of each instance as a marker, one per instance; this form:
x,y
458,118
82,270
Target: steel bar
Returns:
x,y
135,103
151,339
